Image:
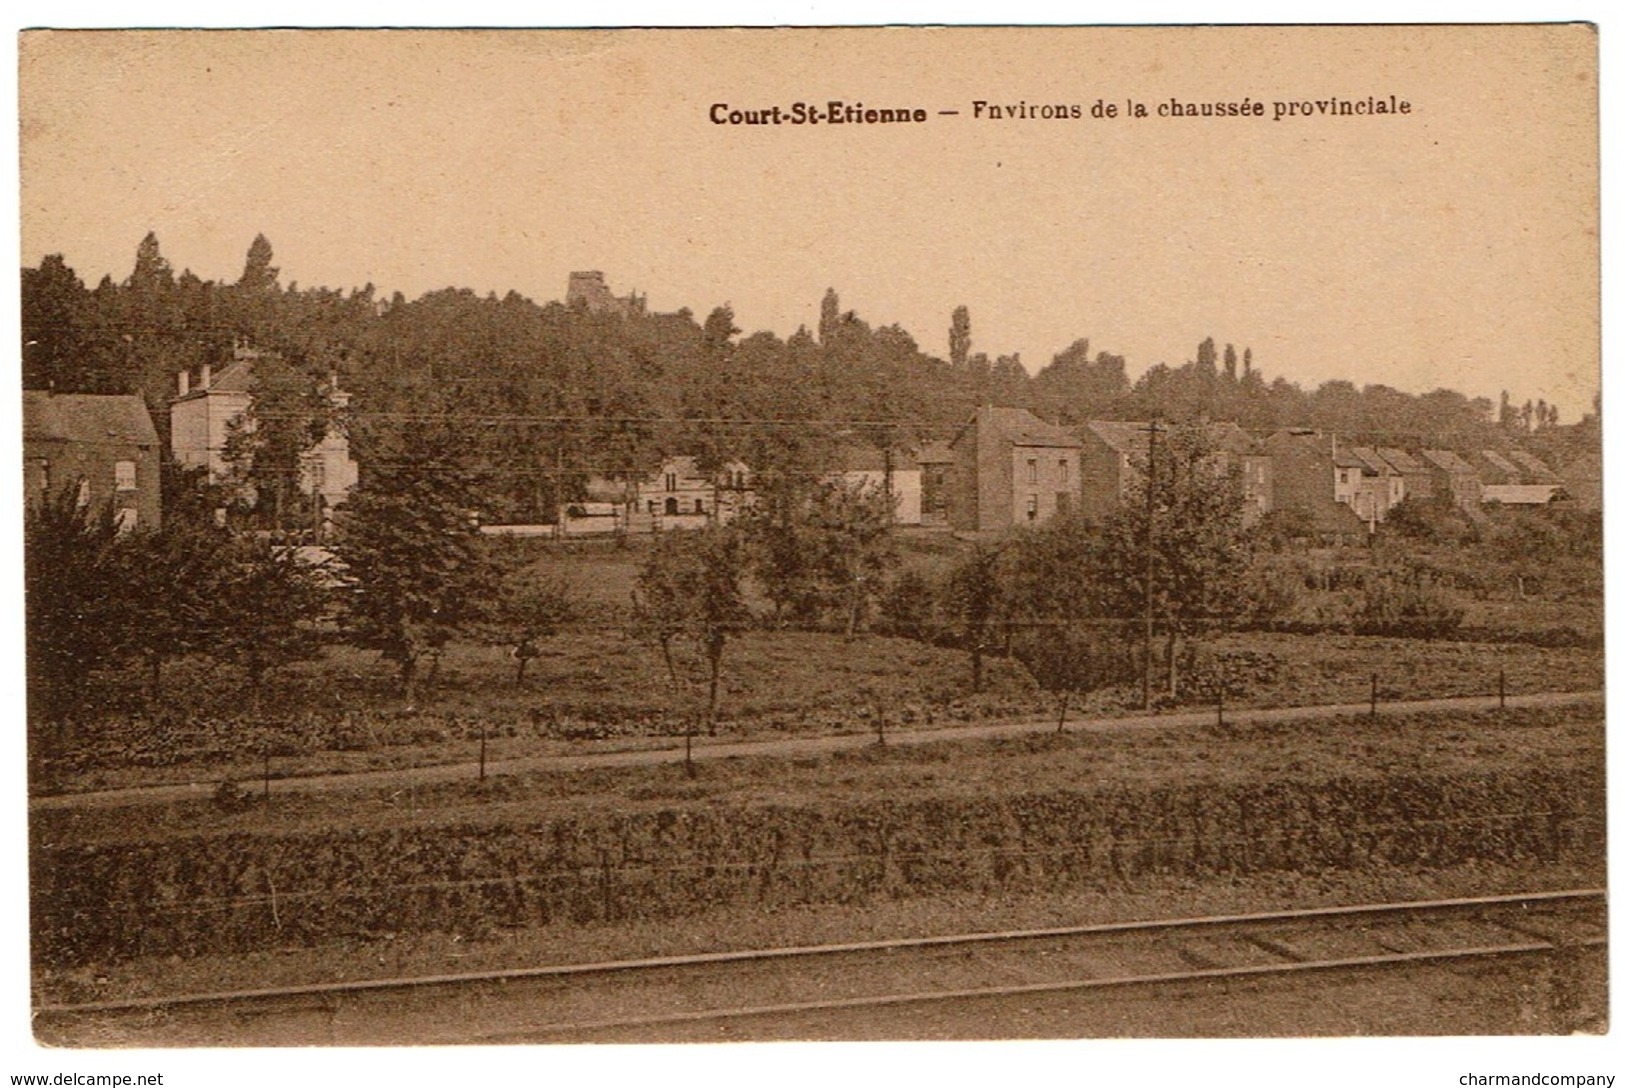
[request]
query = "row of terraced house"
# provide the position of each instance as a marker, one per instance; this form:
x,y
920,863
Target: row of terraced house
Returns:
x,y
1007,467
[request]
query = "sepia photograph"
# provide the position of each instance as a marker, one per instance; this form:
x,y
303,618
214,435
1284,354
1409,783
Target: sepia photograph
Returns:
x,y
888,534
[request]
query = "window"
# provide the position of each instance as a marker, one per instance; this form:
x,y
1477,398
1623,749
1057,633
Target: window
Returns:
x,y
699,506
1064,471
1032,507
126,519
124,476
671,481
671,506
1343,476
1032,470
82,498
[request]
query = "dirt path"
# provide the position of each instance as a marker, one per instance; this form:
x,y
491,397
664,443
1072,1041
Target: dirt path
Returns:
x,y
804,746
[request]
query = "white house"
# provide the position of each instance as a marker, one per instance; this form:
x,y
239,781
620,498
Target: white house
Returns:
x,y
201,418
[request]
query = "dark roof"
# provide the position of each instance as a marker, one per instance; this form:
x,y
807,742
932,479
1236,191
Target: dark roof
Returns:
x,y
1403,462
87,418
1371,459
236,376
1446,460
863,457
1130,438
1325,444
1019,427
1022,428
1230,438
1534,467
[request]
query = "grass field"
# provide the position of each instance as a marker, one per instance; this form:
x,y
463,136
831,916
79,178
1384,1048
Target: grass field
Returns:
x,y
1442,742
596,685
1145,763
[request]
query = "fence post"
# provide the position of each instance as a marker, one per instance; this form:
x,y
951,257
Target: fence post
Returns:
x,y
266,770
880,725
482,749
1066,697
1502,687
1373,695
1221,702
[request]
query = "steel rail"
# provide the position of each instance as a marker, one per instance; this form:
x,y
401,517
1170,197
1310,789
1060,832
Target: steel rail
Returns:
x,y
927,996
420,982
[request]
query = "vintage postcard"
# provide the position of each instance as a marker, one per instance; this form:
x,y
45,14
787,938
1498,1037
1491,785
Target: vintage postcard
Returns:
x,y
905,534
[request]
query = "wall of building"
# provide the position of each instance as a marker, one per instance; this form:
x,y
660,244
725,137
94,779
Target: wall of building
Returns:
x,y
1103,473
55,466
1518,494
905,488
1044,482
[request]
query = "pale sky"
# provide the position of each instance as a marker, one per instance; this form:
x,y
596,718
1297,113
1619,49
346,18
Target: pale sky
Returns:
x,y
1452,246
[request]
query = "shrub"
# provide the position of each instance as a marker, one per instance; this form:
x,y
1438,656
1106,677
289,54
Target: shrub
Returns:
x,y
1406,603
908,607
1077,659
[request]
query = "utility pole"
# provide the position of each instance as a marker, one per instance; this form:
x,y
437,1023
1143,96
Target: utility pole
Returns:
x,y
1150,560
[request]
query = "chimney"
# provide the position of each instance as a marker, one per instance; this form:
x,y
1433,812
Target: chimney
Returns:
x,y
203,378
183,383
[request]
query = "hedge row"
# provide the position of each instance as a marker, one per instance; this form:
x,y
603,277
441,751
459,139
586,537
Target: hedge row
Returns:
x,y
246,891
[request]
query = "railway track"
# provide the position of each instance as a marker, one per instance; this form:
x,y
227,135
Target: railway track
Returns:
x,y
654,999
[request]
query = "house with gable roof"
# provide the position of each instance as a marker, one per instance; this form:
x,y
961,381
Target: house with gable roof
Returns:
x,y
1012,468
1453,479
202,415
1514,481
104,448
1115,453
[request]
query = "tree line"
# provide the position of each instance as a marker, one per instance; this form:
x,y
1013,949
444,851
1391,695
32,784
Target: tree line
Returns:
x,y
551,396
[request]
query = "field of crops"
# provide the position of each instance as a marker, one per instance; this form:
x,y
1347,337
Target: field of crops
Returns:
x,y
995,818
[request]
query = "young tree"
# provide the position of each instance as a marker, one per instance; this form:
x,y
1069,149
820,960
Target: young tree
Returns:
x,y
973,603
265,600
169,591
854,524
691,586
822,548
71,597
1178,538
289,413
416,566
529,607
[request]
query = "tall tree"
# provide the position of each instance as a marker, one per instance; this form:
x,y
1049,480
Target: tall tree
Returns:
x,y
52,297
152,273
959,338
1178,538
829,317
71,601
258,275
417,569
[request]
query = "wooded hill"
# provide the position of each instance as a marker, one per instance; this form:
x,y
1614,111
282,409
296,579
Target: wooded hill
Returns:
x,y
545,395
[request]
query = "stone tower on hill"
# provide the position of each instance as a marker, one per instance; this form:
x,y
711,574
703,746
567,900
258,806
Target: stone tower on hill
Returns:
x,y
589,289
